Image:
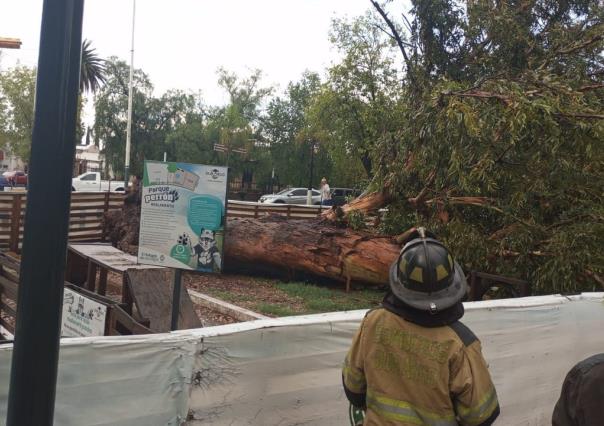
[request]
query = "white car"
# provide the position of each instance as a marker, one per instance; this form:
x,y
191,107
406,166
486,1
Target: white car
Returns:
x,y
91,182
291,196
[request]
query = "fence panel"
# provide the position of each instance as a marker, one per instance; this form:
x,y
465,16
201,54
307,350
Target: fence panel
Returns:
x,y
291,211
85,217
87,210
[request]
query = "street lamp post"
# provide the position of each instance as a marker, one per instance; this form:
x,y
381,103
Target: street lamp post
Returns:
x,y
130,87
312,163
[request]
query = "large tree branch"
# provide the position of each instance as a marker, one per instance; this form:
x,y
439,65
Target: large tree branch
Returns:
x,y
581,115
580,46
591,87
480,94
382,29
398,39
595,277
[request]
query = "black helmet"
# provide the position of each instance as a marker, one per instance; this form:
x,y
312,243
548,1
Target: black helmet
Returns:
x,y
425,276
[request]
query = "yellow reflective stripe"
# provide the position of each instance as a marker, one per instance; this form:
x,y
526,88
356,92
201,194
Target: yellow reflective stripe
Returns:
x,y
393,409
484,408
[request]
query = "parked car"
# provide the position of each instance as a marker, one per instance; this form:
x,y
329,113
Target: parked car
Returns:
x,y
91,181
16,178
340,195
291,196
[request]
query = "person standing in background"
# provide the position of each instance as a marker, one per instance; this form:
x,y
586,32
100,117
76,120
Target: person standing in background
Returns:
x,y
325,193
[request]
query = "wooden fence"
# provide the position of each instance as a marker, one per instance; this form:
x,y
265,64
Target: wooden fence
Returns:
x,y
256,210
87,209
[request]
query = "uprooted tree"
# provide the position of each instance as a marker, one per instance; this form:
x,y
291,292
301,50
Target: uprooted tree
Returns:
x,y
499,149
492,139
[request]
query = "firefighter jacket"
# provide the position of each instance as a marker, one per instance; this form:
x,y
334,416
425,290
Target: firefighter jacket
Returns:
x,y
406,374
581,401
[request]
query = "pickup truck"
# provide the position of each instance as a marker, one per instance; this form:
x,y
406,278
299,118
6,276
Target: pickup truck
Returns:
x,y
91,182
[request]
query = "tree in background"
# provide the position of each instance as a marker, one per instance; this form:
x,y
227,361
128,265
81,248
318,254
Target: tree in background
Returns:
x,y
286,128
92,69
359,102
153,118
500,145
17,92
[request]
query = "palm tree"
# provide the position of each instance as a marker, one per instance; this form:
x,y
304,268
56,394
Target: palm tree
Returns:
x,y
92,70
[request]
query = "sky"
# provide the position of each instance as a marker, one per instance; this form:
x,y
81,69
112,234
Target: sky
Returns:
x,y
181,43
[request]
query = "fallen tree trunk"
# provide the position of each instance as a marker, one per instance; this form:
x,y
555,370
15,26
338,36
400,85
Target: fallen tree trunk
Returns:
x,y
315,247
310,246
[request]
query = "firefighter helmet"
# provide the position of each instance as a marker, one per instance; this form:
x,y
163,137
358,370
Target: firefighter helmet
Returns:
x,y
425,276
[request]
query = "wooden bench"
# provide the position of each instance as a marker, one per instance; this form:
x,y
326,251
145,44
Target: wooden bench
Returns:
x,y
118,321
144,287
84,260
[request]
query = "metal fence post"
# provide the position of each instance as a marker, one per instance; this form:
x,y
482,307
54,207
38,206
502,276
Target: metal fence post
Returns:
x,y
35,357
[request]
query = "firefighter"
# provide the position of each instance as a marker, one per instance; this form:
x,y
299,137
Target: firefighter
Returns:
x,y
582,396
412,362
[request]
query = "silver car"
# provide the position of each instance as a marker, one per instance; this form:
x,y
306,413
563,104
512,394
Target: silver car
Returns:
x,y
291,196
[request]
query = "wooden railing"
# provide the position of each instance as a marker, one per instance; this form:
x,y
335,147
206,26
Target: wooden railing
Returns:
x,y
256,210
87,210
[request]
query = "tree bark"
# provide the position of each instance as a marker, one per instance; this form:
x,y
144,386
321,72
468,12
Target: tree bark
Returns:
x,y
309,246
275,243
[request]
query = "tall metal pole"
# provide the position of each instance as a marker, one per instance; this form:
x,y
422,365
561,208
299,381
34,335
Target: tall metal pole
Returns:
x,y
35,358
312,162
130,87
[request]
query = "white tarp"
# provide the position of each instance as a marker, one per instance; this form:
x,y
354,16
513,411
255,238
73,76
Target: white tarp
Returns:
x,y
118,381
287,371
290,375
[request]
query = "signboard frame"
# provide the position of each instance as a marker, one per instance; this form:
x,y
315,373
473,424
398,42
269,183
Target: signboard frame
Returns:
x,y
83,316
183,216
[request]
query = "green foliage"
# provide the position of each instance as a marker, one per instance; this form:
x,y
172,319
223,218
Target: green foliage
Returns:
x,y
509,110
292,137
154,119
317,299
17,92
356,220
92,70
275,310
359,101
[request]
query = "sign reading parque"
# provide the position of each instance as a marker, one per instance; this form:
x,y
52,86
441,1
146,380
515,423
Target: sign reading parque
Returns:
x,y
182,216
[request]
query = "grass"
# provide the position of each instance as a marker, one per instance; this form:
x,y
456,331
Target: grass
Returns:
x,y
316,299
229,297
275,310
276,298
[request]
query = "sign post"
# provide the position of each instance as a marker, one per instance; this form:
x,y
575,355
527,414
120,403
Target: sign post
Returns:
x,y
176,299
183,213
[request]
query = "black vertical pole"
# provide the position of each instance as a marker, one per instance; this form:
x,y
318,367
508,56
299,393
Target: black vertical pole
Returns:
x,y
32,391
312,163
176,299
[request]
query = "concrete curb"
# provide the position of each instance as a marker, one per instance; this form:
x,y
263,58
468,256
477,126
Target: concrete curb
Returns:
x,y
225,308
